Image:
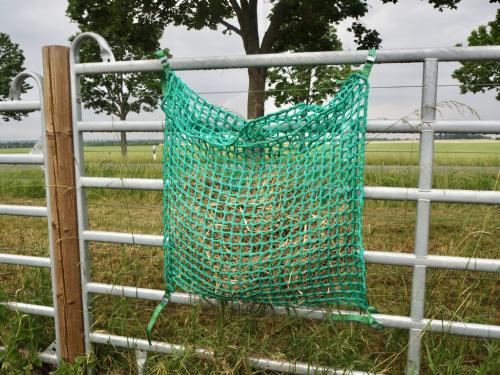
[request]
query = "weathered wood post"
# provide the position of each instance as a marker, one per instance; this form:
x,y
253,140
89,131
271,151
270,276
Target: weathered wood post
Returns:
x,y
61,171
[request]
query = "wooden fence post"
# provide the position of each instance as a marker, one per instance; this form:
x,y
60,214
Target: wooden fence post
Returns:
x,y
61,171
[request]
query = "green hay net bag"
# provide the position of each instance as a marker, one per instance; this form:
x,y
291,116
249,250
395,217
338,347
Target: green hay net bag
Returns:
x,y
266,210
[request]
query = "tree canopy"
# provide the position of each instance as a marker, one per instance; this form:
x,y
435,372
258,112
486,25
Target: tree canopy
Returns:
x,y
294,25
133,29
11,63
485,75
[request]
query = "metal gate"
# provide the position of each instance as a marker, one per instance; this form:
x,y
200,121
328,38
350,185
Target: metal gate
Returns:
x,y
424,194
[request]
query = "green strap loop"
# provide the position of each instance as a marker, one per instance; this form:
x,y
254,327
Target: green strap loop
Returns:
x,y
365,319
370,60
162,55
154,317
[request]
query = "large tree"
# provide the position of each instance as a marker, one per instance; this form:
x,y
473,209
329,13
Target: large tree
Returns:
x,y
294,25
11,63
133,29
485,75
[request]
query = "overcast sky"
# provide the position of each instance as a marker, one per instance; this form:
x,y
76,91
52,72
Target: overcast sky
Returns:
x,y
410,24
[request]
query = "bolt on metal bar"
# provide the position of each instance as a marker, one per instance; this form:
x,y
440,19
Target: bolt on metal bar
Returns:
x,y
428,111
289,59
21,159
7,209
123,238
25,260
373,126
255,362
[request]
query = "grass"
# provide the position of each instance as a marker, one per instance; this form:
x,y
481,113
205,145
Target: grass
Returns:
x,y
456,230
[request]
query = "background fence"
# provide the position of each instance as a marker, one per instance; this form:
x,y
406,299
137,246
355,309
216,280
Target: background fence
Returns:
x,y
68,331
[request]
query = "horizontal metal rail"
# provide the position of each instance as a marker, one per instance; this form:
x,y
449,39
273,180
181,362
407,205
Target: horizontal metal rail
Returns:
x,y
255,362
7,209
390,321
21,159
373,126
49,358
376,257
289,59
19,106
371,192
121,183
123,238
25,260
29,308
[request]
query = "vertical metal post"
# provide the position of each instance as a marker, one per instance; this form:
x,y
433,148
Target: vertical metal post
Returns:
x,y
106,55
14,94
428,112
80,193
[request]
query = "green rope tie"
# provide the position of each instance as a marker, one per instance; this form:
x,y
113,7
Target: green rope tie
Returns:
x,y
164,301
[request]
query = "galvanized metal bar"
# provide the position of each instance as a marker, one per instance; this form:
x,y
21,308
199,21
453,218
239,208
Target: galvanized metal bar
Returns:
x,y
433,261
25,260
371,192
48,358
8,209
35,159
428,112
255,362
391,321
122,183
20,106
289,59
82,214
376,257
29,308
433,195
373,126
123,238
15,93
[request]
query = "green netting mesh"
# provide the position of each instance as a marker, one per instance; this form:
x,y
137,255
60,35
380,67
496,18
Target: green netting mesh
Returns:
x,y
266,210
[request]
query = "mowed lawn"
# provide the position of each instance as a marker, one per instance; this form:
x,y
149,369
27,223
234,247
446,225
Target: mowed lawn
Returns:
x,y
456,230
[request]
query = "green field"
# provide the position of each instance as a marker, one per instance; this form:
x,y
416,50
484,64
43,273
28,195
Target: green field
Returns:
x,y
456,230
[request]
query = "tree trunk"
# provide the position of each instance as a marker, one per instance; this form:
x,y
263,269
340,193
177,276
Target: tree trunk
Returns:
x,y
256,92
123,143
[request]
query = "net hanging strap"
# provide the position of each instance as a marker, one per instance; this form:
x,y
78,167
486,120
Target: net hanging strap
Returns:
x,y
266,210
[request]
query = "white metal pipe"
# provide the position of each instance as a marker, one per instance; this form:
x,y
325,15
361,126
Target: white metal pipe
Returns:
x,y
81,200
373,126
49,358
21,159
489,331
289,59
7,209
123,238
434,195
19,106
375,257
422,228
433,261
29,308
15,93
255,362
25,260
371,192
121,183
